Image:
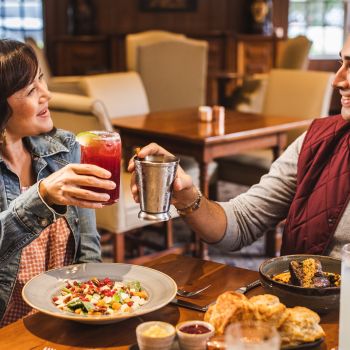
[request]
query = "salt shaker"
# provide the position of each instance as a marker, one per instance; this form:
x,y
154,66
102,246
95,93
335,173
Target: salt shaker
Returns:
x,y
218,113
205,114
219,120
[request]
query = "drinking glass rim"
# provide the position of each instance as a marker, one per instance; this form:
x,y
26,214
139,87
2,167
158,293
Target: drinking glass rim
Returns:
x,y
107,135
255,324
167,159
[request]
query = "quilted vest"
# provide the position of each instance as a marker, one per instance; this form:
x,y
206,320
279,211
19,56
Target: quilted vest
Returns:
x,y
322,190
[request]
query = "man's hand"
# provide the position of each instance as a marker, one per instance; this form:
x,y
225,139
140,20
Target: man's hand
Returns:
x,y
182,188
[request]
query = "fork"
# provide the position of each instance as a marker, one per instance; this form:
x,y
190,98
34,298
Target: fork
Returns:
x,y
187,294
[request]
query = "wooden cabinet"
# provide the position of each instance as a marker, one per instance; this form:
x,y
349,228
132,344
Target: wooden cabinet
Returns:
x,y
256,53
78,55
75,55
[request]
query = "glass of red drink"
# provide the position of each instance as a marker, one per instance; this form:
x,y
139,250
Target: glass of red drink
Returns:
x,y
102,148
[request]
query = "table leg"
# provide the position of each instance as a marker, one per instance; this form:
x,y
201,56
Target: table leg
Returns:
x,y
222,83
279,148
201,247
204,178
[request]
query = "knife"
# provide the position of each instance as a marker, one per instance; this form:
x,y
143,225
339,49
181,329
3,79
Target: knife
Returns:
x,y
189,305
248,287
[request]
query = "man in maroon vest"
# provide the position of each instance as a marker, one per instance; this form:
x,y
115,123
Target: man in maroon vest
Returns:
x,y
309,186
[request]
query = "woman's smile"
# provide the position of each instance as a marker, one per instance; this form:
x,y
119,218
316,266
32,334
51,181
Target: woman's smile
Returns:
x,y
44,113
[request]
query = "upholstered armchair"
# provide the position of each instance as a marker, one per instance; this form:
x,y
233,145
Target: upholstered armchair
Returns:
x,y
122,94
292,53
133,41
172,67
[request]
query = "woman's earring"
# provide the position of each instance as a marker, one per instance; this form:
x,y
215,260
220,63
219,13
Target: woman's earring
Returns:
x,y
3,138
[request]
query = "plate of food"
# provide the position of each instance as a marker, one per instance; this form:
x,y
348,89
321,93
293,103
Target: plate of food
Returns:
x,y
99,293
299,327
312,281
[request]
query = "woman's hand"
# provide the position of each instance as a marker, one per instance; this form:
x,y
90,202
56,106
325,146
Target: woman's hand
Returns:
x,y
183,191
64,187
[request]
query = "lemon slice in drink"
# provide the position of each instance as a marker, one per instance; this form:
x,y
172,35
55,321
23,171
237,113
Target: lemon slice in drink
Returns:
x,y
86,138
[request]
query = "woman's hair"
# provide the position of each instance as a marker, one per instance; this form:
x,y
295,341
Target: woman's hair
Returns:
x,y
18,68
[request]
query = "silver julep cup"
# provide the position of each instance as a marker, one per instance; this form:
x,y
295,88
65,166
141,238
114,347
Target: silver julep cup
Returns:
x,y
155,175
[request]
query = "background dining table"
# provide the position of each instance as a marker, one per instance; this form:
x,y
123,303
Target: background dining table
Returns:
x,y
181,132
40,331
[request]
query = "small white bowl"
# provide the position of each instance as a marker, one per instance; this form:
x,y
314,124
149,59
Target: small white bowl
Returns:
x,y
194,341
155,335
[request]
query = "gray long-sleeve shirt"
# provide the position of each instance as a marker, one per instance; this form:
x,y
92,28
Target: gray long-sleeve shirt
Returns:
x,y
265,204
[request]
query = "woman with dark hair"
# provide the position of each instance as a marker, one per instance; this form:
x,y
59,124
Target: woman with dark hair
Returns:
x,y
46,219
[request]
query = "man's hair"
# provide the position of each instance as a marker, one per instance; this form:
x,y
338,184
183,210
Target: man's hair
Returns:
x,y
18,68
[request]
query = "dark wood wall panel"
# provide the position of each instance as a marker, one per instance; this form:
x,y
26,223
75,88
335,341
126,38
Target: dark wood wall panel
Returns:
x,y
115,18
210,14
220,22
280,14
123,16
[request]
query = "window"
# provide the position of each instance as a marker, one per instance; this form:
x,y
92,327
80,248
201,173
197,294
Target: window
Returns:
x,y
20,19
322,21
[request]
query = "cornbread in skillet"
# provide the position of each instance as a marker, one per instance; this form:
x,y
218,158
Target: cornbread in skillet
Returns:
x,y
308,273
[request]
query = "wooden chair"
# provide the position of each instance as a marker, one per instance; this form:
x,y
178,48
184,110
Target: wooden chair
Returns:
x,y
123,94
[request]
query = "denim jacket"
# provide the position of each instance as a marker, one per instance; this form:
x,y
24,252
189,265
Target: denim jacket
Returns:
x,y
24,216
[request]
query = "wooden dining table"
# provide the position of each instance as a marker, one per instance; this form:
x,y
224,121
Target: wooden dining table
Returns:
x,y
40,331
181,132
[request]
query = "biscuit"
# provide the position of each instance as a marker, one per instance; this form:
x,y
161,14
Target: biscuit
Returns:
x,y
268,308
300,326
230,307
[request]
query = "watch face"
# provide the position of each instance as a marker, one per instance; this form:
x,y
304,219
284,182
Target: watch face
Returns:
x,y
259,9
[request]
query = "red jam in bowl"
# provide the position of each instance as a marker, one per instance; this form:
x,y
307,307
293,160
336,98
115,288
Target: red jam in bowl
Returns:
x,y
195,329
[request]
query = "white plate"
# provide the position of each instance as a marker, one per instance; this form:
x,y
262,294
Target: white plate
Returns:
x,y
38,292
